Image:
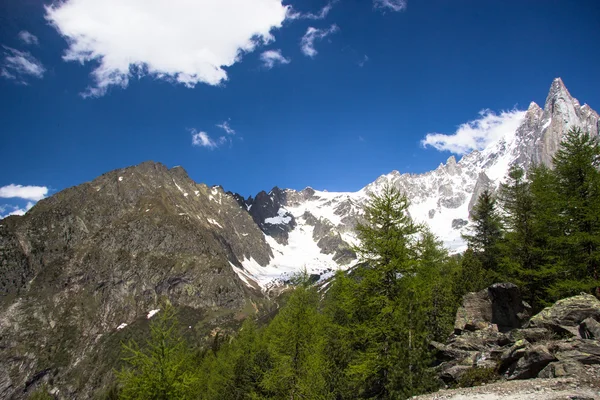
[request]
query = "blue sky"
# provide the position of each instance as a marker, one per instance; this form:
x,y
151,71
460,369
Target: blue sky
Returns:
x,y
325,94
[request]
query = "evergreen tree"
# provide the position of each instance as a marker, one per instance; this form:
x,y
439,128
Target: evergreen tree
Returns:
x,y
389,320
434,271
576,166
160,370
522,257
295,341
486,231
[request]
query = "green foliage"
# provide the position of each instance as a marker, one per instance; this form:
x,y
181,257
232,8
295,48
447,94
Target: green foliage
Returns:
x,y
161,369
41,394
576,166
477,376
486,231
295,344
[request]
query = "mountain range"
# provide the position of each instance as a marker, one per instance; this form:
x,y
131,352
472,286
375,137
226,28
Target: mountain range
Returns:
x,y
89,266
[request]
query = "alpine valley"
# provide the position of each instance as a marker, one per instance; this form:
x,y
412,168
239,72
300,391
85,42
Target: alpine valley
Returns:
x,y
86,268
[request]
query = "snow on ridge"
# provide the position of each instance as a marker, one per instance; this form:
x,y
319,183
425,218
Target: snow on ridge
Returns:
x,y
301,252
280,219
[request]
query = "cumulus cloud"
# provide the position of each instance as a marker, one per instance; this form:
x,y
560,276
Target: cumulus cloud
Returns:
x,y
187,42
28,38
476,134
392,5
312,34
201,139
293,14
20,65
15,210
270,58
34,193
225,126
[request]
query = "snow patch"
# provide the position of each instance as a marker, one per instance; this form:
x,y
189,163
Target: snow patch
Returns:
x,y
120,179
280,219
123,325
152,313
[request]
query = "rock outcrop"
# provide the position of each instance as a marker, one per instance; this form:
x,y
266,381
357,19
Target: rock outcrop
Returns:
x,y
492,331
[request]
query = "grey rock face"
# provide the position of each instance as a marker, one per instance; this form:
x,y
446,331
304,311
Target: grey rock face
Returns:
x,y
565,315
103,253
500,305
266,208
519,353
590,329
458,223
535,359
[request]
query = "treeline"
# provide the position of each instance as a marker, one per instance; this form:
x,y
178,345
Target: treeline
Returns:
x,y
365,333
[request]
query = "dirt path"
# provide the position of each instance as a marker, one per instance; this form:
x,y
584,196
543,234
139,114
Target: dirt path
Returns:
x,y
532,389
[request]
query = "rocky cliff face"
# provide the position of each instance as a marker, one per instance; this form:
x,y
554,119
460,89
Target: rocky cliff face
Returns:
x,y
84,267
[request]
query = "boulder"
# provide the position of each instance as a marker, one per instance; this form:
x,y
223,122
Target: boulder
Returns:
x,y
509,311
590,329
475,312
560,369
513,354
535,359
453,373
566,315
500,304
532,335
585,351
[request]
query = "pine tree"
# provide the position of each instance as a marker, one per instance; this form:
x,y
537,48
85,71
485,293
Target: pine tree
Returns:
x,y
434,271
295,340
486,231
160,370
389,321
576,166
522,257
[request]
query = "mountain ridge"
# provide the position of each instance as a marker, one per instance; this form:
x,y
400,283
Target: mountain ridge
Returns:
x,y
83,268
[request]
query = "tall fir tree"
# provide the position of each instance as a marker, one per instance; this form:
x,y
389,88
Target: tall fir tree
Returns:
x,y
576,166
486,232
390,334
522,252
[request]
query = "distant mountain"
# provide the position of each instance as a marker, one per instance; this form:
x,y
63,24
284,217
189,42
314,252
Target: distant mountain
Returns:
x,y
81,271
315,228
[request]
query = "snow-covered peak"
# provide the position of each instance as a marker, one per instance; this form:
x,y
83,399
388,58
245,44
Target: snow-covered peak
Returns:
x,y
441,198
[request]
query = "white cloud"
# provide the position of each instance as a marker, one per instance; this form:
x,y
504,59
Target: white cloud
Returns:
x,y
28,38
393,5
225,126
201,139
182,41
477,134
270,58
34,193
15,210
308,40
292,14
18,65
